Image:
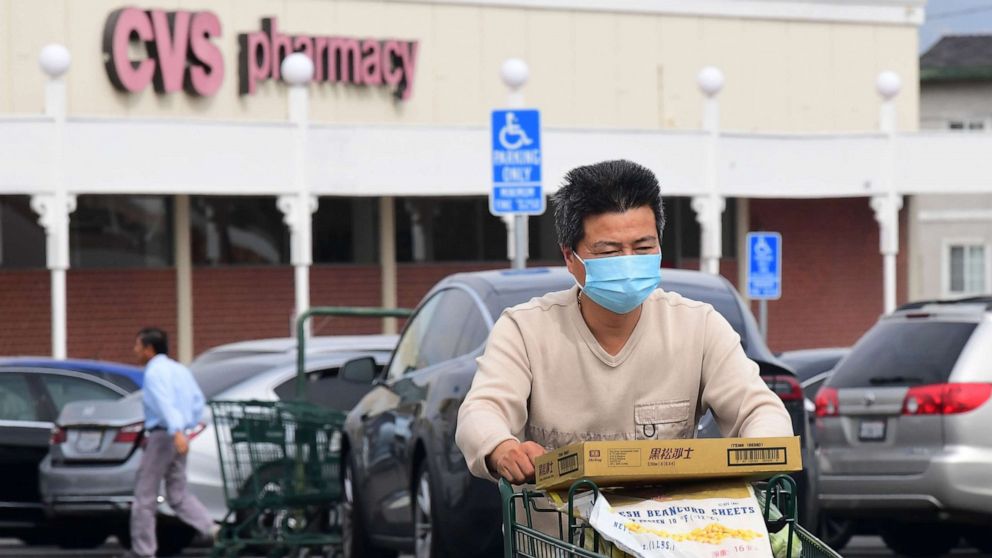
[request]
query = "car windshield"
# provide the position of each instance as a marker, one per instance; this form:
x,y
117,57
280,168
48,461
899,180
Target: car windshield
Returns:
x,y
903,353
722,300
221,375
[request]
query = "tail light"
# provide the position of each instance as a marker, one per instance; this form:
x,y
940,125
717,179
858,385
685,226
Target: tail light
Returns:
x,y
945,399
58,436
827,403
130,434
785,386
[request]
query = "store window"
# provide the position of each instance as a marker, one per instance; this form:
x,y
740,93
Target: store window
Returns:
x,y
453,229
346,230
121,231
238,230
22,239
966,270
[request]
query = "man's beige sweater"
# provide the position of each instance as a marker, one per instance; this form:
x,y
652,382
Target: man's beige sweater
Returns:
x,y
545,378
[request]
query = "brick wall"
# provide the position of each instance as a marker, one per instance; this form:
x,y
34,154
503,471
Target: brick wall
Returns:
x,y
107,307
832,270
239,303
344,285
25,319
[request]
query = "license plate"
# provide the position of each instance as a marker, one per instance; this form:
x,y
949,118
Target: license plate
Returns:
x,y
872,430
89,441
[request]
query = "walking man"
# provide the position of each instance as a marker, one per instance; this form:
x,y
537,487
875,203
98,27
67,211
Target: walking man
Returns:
x,y
173,406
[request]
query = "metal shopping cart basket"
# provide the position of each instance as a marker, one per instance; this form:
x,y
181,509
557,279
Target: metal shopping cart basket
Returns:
x,y
280,462
575,539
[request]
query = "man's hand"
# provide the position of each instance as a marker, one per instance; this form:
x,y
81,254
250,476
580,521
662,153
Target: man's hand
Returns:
x,y
514,461
182,444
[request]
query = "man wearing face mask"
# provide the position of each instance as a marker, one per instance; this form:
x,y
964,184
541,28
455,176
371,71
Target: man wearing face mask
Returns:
x,y
614,357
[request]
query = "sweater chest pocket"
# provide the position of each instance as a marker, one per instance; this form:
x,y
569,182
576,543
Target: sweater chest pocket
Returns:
x,y
661,420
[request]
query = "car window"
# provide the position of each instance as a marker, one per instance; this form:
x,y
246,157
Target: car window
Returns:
x,y
326,389
903,353
408,352
66,389
16,401
449,325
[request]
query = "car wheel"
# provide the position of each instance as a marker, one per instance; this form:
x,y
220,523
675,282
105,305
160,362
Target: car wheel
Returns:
x,y
427,537
919,540
81,536
355,542
835,532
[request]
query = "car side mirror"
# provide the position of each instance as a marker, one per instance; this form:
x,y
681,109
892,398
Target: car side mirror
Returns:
x,y
360,370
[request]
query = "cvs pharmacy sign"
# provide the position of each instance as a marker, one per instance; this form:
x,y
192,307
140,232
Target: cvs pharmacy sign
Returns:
x,y
181,52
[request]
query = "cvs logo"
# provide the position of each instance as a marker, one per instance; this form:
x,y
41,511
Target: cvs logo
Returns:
x,y
180,54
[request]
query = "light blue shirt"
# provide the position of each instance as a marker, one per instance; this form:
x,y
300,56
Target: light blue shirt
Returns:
x,y
171,397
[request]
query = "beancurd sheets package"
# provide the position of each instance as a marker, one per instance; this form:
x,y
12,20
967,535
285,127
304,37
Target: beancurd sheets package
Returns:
x,y
698,520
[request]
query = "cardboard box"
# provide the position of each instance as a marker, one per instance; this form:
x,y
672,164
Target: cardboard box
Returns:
x,y
615,463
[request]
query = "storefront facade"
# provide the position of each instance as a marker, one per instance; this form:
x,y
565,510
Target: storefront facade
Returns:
x,y
178,146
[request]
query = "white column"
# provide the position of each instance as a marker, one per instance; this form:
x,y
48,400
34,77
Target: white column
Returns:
x,y
54,207
184,279
888,202
710,206
515,73
298,207
387,258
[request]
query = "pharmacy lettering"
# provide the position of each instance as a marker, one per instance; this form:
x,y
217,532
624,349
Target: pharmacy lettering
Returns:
x,y
362,62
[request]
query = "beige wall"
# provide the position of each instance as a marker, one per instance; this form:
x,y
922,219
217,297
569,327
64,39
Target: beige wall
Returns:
x,y
588,69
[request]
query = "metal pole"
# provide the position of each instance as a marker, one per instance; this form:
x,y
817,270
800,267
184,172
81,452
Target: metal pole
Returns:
x,y
519,232
709,207
520,241
54,208
888,203
763,318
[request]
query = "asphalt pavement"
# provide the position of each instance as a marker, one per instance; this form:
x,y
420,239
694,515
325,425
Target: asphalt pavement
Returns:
x,y
859,547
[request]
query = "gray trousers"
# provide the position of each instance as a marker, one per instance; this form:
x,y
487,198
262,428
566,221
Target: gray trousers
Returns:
x,y
159,462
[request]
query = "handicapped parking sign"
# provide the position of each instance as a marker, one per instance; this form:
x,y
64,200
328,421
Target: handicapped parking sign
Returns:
x,y
764,265
516,151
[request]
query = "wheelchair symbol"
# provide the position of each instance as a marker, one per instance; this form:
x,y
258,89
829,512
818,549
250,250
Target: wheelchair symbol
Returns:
x,y
512,129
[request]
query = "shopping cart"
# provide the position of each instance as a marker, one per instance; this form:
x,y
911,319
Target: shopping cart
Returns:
x,y
576,539
280,462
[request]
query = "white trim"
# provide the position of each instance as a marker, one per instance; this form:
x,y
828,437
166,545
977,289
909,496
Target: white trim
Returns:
x,y
945,265
909,12
954,215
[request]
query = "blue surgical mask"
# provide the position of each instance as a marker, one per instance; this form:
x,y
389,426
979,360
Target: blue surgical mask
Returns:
x,y
621,283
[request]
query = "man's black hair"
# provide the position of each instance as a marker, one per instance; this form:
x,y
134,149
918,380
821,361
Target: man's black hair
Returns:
x,y
156,339
607,187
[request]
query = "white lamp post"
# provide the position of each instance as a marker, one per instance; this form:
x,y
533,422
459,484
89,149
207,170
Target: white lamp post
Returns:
x,y
710,206
54,207
887,203
514,73
297,208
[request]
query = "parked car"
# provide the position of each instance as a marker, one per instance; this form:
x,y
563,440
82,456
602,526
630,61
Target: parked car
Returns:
x,y
813,367
32,393
287,346
406,484
902,426
88,478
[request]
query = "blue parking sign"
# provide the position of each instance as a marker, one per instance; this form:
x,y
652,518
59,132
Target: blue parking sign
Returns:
x,y
764,265
516,151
